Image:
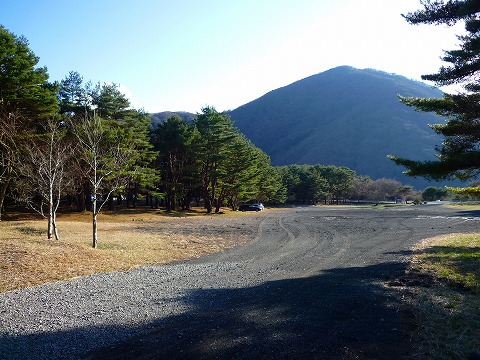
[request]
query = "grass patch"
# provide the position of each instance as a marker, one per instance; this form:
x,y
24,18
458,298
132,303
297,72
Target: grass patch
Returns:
x,y
455,259
448,307
465,205
127,239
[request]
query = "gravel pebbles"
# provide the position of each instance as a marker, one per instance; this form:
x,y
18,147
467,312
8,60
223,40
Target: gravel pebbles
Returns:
x,y
64,319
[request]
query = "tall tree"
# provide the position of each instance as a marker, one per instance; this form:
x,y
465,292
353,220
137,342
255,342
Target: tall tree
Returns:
x,y
459,154
26,99
269,187
112,104
243,169
110,101
360,187
106,151
216,131
171,139
339,180
73,95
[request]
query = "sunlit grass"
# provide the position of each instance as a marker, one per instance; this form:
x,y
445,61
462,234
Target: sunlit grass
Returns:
x,y
466,205
453,258
448,315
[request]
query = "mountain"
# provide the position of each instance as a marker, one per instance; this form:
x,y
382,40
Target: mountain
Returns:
x,y
344,117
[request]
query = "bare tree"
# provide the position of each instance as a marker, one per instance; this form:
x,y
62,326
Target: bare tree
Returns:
x,y
384,189
105,150
43,172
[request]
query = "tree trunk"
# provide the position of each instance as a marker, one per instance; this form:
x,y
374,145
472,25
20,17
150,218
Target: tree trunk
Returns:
x,y
50,212
173,203
128,197
208,203
54,224
94,223
135,195
3,191
111,204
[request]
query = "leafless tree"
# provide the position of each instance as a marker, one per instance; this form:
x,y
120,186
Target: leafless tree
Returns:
x,y
384,189
106,154
43,173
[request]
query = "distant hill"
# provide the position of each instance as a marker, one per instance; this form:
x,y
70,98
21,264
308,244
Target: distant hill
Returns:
x,y
160,117
344,117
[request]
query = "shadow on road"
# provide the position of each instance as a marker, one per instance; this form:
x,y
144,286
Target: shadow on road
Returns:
x,y
339,314
468,213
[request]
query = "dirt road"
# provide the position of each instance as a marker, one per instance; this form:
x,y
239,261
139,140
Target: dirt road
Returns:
x,y
310,285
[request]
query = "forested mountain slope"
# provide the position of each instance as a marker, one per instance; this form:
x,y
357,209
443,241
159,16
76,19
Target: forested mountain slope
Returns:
x,y
343,117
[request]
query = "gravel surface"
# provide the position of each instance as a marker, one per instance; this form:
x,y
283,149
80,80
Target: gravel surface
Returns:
x,y
310,285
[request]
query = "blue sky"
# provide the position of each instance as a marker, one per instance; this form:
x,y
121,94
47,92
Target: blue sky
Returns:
x,y
182,55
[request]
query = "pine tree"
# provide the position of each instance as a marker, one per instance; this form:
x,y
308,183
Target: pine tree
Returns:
x,y
27,100
216,131
459,154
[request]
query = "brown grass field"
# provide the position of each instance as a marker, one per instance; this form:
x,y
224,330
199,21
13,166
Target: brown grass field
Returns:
x,y
127,239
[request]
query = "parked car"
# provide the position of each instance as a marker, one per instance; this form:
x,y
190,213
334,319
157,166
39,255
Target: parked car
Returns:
x,y
251,207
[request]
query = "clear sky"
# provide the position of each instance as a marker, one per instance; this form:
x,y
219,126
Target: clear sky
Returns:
x,y
182,55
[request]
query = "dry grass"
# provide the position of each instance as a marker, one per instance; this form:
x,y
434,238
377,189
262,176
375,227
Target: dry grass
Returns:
x,y
126,240
447,306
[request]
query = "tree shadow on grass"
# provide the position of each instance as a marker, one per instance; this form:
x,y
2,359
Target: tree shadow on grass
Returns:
x,y
339,314
459,266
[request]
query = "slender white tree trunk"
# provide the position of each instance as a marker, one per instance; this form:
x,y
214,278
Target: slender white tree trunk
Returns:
x,y
50,213
94,222
54,224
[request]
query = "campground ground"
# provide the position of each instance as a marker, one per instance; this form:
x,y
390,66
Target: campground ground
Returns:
x,y
308,282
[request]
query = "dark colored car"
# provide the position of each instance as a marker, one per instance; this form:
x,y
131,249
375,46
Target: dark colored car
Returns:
x,y
251,207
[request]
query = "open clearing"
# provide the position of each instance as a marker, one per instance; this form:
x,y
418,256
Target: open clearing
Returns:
x,y
313,282
127,239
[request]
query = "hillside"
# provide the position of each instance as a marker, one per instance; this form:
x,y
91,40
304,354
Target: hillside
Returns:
x,y
344,117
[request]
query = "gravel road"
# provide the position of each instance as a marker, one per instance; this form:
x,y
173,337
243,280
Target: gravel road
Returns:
x,y
310,285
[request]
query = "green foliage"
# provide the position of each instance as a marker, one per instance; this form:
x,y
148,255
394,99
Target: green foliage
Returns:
x,y
211,156
458,155
72,95
216,133
311,183
434,193
110,102
27,100
23,87
172,140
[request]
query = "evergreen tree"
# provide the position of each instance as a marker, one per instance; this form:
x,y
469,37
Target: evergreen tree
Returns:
x,y
459,154
27,100
216,132
243,169
73,95
172,139
270,186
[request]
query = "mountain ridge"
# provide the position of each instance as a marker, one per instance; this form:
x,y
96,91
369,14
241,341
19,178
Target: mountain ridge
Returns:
x,y
344,117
